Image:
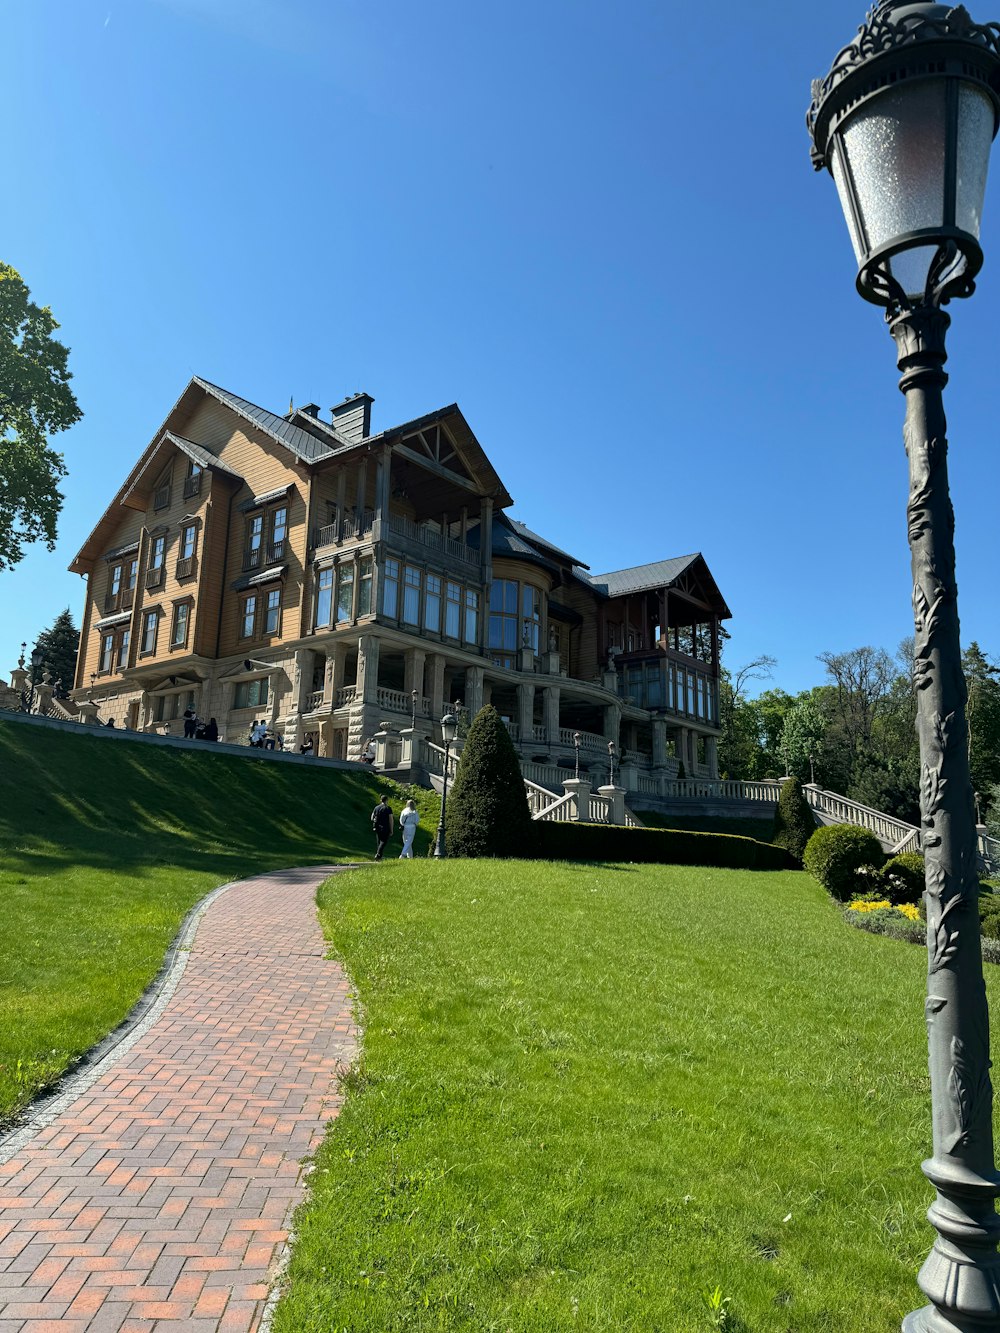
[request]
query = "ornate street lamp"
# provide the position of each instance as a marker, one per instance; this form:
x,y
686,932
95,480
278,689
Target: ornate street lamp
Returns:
x,y
449,730
413,710
611,763
576,746
904,122
28,694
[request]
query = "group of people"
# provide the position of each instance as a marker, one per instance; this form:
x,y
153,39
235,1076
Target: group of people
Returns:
x,y
383,825
197,730
264,737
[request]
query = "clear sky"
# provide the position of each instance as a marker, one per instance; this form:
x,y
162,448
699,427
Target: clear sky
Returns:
x,y
594,226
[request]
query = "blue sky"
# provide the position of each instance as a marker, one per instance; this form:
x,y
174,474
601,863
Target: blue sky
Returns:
x,y
594,227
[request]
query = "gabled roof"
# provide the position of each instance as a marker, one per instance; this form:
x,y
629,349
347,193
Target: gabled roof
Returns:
x,y
200,455
658,574
300,442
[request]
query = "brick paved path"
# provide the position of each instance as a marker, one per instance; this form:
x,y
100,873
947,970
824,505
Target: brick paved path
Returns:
x,y
160,1198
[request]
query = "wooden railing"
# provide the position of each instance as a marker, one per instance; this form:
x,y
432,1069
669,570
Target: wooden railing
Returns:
x,y
185,567
192,486
154,576
355,526
416,532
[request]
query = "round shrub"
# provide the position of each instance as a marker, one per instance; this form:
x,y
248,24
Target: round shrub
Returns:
x,y
903,878
836,852
794,824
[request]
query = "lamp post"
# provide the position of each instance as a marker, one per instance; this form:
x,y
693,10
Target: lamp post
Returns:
x,y
611,763
904,122
576,746
449,730
28,694
413,710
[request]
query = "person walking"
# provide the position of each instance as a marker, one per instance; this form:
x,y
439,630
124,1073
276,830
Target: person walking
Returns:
x,y
408,821
190,723
382,825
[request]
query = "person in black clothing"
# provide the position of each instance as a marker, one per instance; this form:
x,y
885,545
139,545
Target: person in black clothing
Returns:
x,y
382,825
212,730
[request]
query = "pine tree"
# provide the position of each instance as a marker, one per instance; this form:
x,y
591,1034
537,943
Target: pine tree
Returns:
x,y
794,824
59,645
487,806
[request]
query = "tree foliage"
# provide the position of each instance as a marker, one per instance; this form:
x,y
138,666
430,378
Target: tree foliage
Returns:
x,y
794,824
35,402
487,806
59,645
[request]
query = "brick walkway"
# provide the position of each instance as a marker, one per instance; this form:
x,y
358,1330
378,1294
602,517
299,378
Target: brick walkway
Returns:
x,y
161,1196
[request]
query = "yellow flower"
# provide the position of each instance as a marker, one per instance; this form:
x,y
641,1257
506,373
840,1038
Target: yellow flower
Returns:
x,y
869,906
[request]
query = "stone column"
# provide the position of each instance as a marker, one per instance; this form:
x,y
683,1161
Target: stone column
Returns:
x,y
413,672
616,796
43,696
333,677
659,728
712,757
487,691
435,669
474,682
551,696
87,713
613,724
368,646
526,711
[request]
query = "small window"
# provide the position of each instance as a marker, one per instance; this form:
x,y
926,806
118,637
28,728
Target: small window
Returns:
x,y
432,604
279,529
189,539
159,550
133,574
272,611
123,650
248,616
324,598
116,580
182,613
107,652
251,693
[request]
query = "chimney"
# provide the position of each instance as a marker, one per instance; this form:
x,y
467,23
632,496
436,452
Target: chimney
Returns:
x,y
310,409
352,418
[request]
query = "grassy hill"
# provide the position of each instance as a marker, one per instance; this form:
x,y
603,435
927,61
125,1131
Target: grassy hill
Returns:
x,y
104,845
599,1098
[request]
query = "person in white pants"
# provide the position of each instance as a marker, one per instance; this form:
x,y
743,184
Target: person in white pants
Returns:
x,y
408,821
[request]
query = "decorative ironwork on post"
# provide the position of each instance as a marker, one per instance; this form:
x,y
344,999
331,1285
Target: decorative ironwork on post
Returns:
x,y
905,121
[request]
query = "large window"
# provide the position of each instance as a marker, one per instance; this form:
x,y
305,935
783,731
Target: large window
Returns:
x,y
432,604
390,589
453,610
123,643
272,612
504,636
150,623
248,616
411,595
345,593
365,589
531,616
107,653
471,616
324,597
179,633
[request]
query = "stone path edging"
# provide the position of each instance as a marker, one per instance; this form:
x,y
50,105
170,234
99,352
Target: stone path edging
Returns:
x,y
154,1190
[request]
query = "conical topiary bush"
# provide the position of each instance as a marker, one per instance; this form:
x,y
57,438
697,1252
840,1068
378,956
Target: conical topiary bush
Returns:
x,y
487,813
794,824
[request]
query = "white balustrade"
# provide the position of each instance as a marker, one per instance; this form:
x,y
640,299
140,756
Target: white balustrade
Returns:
x,y
314,700
345,695
707,789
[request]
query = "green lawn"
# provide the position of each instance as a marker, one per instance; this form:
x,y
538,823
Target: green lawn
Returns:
x,y
591,1096
105,845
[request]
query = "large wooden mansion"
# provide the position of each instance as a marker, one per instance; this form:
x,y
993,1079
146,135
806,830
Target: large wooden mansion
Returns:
x,y
333,581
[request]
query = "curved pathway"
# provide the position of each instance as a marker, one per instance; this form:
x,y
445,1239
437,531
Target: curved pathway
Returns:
x,y
159,1196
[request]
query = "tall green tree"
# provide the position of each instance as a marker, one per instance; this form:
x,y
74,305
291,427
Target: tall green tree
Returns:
x,y
982,678
35,402
802,737
741,744
59,645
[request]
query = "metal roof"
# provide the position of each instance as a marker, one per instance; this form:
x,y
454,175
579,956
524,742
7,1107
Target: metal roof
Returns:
x,y
266,498
299,441
264,576
127,549
200,455
525,531
640,578
108,621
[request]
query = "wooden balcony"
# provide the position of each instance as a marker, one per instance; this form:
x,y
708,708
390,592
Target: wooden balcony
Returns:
x,y
192,486
161,498
154,577
259,557
185,567
356,527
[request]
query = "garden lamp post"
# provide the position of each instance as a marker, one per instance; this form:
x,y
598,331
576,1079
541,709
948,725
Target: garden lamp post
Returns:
x,y
611,763
449,730
413,710
28,694
576,747
904,122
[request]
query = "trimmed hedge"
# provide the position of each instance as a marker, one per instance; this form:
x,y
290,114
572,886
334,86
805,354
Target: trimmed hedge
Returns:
x,y
488,811
836,852
607,842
